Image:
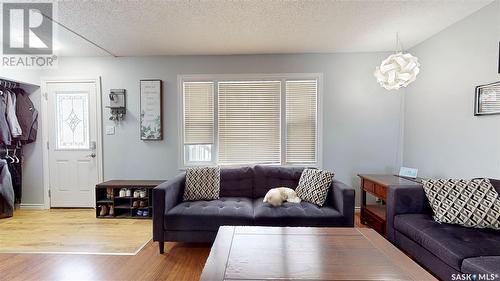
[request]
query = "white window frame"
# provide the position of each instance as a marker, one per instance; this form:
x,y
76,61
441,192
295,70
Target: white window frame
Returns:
x,y
249,77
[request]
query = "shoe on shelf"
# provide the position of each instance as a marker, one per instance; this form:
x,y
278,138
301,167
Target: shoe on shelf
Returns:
x,y
136,193
128,192
122,192
139,213
104,210
142,203
111,210
145,213
143,193
135,204
109,193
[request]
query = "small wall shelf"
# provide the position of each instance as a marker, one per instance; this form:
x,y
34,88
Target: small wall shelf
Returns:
x,y
124,206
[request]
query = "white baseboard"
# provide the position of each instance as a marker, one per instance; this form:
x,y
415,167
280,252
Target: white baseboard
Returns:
x,y
32,206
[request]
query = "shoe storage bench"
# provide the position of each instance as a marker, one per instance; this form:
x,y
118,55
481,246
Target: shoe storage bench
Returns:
x,y
113,200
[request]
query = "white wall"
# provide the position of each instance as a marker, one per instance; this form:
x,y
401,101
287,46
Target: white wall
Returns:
x,y
442,137
361,120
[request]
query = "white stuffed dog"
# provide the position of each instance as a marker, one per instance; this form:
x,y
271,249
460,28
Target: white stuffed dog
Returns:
x,y
276,196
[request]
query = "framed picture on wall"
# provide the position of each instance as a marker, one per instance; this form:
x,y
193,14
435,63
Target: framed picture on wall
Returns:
x,y
487,99
151,110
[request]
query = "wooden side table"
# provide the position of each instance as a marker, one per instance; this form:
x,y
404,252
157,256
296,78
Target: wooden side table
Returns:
x,y
375,215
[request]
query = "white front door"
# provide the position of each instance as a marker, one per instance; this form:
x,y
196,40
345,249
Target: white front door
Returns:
x,y
72,110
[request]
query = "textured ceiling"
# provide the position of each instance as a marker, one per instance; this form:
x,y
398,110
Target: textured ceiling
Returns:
x,y
136,28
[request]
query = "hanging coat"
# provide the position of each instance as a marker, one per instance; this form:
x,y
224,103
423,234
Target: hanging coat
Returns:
x,y
5,136
15,129
27,116
6,191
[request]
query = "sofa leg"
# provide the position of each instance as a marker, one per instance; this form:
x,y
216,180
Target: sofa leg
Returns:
x,y
161,245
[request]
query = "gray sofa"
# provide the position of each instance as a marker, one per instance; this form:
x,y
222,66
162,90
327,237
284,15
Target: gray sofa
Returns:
x,y
444,249
240,203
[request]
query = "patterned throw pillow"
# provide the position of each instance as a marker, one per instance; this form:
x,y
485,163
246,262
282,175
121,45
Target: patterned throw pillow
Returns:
x,y
471,203
202,183
313,185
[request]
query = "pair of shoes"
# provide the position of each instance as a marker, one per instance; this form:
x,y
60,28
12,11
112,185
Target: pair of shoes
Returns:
x,y
139,203
125,192
140,193
109,193
141,213
106,210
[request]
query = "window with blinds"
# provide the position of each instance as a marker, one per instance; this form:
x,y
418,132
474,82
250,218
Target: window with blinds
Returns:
x,y
301,121
251,121
198,121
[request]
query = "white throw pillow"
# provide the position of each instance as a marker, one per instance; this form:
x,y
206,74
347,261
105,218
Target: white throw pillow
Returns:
x,y
313,185
202,183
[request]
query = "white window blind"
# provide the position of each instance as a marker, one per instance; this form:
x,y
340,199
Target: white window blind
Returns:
x,y
198,121
301,121
249,127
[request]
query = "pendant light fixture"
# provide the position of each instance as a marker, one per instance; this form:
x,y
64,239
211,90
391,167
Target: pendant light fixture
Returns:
x,y
398,70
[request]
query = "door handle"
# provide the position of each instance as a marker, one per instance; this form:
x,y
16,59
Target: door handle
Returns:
x,y
92,155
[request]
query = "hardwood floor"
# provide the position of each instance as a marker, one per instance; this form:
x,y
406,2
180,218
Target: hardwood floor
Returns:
x,y
180,262
71,230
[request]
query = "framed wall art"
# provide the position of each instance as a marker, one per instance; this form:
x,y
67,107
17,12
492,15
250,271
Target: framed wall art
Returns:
x,y
487,99
151,110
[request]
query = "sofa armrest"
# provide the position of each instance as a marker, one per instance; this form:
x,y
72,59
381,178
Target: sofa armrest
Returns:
x,y
343,201
166,196
404,200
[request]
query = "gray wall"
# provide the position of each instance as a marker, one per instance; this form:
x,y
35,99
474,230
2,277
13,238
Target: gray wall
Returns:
x,y
362,130
361,120
441,136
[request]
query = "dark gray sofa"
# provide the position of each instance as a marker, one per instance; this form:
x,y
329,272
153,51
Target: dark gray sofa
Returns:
x,y
241,194
444,249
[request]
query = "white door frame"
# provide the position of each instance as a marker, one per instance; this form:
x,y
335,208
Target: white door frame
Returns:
x,y
45,128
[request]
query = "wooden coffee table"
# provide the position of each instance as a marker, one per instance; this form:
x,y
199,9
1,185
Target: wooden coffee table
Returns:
x,y
300,253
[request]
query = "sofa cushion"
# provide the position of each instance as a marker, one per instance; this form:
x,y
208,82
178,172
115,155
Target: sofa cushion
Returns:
x,y
296,214
267,177
202,183
209,215
236,182
482,265
451,243
471,203
314,185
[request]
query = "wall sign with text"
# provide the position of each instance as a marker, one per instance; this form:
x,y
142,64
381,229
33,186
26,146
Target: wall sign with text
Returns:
x,y
151,110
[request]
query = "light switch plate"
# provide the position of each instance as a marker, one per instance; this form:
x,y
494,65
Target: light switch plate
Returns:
x,y
110,130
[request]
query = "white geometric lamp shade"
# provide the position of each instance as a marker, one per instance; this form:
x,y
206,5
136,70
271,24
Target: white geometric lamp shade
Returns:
x,y
398,70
